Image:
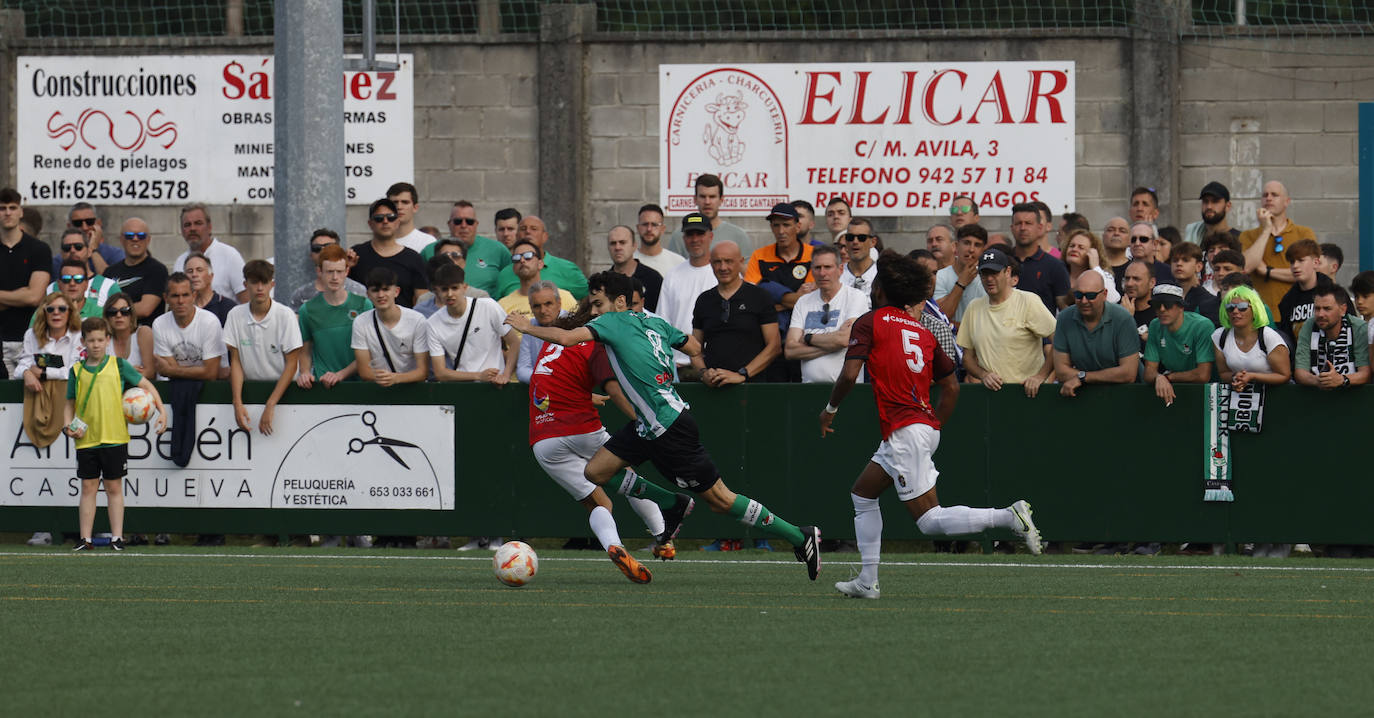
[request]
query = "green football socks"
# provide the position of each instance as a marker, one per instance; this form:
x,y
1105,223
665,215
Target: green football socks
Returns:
x,y
628,483
752,513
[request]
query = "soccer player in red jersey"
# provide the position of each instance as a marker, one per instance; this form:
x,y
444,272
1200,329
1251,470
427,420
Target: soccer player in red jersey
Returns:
x,y
902,359
565,431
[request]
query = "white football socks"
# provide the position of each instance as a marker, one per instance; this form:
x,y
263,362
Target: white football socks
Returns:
x,y
603,525
650,513
868,529
960,520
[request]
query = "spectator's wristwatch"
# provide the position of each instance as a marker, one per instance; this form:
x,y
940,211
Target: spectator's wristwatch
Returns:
x,y
1345,380
744,372
1082,376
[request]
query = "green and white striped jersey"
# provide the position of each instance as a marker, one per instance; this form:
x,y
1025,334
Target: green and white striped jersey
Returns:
x,y
640,348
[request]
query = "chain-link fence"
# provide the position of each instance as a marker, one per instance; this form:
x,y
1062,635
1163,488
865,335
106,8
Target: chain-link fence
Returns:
x,y
1201,19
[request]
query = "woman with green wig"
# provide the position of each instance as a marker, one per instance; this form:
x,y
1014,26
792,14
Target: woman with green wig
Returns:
x,y
1247,348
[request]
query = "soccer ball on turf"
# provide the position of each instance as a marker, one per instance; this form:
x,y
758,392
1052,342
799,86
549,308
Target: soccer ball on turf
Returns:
x,y
515,563
138,406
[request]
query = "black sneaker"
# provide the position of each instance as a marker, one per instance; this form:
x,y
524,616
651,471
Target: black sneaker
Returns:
x,y
83,545
809,552
672,518
117,544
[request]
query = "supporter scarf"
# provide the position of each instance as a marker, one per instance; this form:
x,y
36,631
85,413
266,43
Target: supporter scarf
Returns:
x,y
1217,443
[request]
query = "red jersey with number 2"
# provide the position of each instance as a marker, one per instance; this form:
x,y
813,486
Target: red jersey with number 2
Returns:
x,y
901,357
561,390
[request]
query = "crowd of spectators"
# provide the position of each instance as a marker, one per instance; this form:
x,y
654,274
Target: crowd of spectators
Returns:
x,y
1047,301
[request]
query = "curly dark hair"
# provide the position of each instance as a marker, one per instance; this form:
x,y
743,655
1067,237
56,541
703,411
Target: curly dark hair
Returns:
x,y
903,280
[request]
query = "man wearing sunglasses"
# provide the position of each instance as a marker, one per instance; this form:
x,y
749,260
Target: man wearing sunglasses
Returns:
x,y
139,274
963,211
1095,342
75,279
25,269
1144,238
857,243
83,216
199,234
556,269
412,277
527,260
1179,348
484,257
73,245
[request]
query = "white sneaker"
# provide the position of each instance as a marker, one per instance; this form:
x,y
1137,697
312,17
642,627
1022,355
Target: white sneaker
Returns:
x,y
853,589
40,538
472,545
1025,527
495,543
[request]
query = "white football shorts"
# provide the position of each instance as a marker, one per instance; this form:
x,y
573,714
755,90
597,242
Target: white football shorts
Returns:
x,y
564,457
906,456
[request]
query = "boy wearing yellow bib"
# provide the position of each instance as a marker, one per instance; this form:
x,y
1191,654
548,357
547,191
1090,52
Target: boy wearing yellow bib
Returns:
x,y
95,418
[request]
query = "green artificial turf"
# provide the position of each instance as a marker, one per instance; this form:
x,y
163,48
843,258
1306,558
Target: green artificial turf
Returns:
x,y
232,631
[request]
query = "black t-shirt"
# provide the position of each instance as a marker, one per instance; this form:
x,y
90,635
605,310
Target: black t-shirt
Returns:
x,y
139,280
734,335
1296,307
17,265
653,284
1045,277
411,273
1203,302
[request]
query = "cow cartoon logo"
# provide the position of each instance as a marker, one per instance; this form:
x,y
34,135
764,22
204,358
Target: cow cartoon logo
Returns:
x,y
721,135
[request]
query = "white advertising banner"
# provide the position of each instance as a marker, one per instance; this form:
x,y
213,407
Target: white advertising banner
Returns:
x,y
318,457
163,129
892,138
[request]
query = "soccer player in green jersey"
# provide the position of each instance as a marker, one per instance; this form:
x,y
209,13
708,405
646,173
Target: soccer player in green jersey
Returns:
x,y
640,347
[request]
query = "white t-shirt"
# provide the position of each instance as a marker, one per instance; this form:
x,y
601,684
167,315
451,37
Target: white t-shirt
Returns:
x,y
862,283
678,298
1254,360
809,314
226,263
410,336
201,339
945,280
661,262
483,347
262,344
417,240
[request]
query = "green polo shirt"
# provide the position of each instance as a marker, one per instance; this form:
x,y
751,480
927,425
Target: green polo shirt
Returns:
x,y
1182,350
1101,347
485,260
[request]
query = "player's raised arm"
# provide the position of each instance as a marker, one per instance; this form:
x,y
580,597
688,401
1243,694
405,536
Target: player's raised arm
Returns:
x,y
563,337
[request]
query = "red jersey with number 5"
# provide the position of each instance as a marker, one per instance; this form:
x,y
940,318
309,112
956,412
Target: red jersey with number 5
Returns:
x,y
901,358
561,390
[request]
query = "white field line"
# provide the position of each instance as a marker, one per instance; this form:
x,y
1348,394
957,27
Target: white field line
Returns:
x,y
129,555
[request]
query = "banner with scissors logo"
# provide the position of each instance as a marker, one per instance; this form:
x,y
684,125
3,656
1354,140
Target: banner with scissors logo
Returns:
x,y
320,456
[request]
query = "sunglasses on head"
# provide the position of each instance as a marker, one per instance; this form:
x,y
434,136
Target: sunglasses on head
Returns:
x,y
522,256
1237,306
73,247
132,236
119,312
73,278
55,309
1087,295
462,220
85,222
380,218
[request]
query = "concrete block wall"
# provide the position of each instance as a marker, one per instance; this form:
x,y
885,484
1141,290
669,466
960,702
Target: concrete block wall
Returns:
x,y
1253,112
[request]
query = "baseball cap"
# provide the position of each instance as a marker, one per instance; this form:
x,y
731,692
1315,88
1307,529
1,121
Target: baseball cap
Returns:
x,y
695,222
783,209
1215,189
1167,294
993,259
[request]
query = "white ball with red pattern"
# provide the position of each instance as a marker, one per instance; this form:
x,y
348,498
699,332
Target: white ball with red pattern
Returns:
x,y
515,563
